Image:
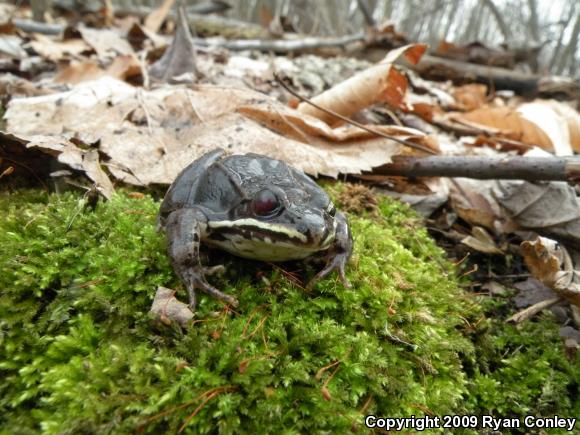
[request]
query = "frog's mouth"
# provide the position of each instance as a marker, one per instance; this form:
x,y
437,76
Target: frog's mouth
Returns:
x,y
256,228
269,241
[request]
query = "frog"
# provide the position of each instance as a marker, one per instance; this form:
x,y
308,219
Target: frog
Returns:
x,y
254,207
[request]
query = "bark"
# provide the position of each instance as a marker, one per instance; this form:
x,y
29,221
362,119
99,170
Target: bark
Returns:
x,y
499,78
485,168
366,12
566,22
533,21
451,18
468,32
570,51
503,27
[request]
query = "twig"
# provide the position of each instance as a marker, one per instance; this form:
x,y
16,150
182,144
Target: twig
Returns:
x,y
485,168
533,310
352,122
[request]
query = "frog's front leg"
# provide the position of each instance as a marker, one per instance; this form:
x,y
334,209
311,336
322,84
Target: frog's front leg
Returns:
x,y
185,228
338,254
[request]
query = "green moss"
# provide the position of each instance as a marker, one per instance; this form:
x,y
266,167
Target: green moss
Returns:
x,y
80,354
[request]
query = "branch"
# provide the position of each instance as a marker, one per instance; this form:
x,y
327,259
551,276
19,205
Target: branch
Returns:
x,y
485,168
503,27
283,45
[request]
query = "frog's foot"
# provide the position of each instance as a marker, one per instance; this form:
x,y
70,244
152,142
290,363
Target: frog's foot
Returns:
x,y
195,279
214,270
336,262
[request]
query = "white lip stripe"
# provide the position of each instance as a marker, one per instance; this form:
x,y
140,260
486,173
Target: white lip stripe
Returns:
x,y
256,223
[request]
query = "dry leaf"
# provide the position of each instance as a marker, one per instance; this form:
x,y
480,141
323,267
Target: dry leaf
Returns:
x,y
474,202
507,122
470,97
379,83
179,58
69,154
558,120
550,125
549,208
550,263
481,241
58,50
78,72
168,309
106,42
150,136
11,45
155,19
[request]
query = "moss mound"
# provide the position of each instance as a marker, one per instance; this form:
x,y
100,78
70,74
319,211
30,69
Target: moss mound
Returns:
x,y
80,354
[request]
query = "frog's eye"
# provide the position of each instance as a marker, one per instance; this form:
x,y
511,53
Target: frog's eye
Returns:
x,y
265,203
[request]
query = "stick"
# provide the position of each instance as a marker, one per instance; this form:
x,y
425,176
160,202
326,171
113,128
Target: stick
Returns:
x,y
485,168
533,310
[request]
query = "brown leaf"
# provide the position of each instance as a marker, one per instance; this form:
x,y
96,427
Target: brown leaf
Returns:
x,y
474,202
155,19
470,97
481,241
58,50
79,72
550,263
380,82
549,208
179,58
150,136
507,122
68,153
168,309
326,394
106,42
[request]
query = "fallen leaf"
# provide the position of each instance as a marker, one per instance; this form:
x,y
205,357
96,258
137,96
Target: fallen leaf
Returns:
x,y
68,153
550,262
11,45
549,208
507,122
58,50
78,72
530,292
474,202
379,83
155,19
481,241
470,97
150,136
550,125
106,42
179,58
168,309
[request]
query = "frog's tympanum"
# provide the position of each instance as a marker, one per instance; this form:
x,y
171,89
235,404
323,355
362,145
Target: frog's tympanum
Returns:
x,y
254,207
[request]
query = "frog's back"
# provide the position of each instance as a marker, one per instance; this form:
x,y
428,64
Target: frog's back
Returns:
x,y
182,192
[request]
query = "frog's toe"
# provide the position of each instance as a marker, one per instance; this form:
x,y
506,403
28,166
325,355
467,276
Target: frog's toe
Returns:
x,y
214,270
202,284
337,263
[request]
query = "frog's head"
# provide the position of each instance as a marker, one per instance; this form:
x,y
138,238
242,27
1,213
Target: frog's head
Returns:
x,y
278,224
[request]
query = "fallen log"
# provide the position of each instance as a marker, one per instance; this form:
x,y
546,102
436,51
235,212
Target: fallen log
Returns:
x,y
485,168
434,67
